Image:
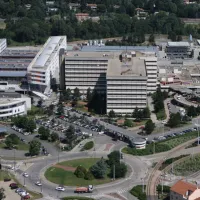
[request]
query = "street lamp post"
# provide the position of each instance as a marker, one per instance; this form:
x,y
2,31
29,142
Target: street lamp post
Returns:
x,y
197,125
14,161
24,181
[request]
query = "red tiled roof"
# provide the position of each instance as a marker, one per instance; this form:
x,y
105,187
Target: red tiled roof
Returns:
x,y
82,14
181,187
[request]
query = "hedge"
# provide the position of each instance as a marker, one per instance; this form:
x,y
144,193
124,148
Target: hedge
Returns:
x,y
137,192
88,146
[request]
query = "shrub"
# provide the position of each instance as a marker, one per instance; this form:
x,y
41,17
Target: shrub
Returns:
x,y
137,192
89,176
80,172
88,146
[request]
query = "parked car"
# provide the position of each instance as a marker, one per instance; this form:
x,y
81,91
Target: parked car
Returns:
x,y
25,174
7,179
38,183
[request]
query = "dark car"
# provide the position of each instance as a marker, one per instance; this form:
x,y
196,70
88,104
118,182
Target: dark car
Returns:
x,y
12,184
13,187
7,179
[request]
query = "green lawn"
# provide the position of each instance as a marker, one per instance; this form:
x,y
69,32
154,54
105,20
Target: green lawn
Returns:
x,y
188,166
161,146
4,174
63,177
86,162
20,146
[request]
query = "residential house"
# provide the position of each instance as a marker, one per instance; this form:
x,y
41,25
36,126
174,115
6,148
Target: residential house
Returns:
x,y
73,6
141,13
183,190
82,16
92,6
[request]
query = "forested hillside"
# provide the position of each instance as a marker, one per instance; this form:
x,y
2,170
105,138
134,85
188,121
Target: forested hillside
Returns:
x,y
35,20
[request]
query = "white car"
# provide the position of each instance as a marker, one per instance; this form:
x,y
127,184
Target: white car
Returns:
x,y
164,122
23,194
60,188
25,174
38,183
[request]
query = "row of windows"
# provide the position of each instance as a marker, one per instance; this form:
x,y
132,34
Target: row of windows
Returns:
x,y
11,106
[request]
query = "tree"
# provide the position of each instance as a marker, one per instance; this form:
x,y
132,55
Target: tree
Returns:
x,y
30,126
80,172
179,38
174,120
192,111
77,93
2,194
50,110
9,143
34,148
44,133
89,176
67,94
89,94
54,137
120,170
111,114
146,112
114,158
149,126
128,123
70,135
151,38
99,169
60,109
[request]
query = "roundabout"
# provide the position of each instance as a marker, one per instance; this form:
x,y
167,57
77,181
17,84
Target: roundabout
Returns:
x,y
38,167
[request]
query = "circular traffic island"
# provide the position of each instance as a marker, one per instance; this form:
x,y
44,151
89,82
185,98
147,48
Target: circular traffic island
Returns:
x,y
86,171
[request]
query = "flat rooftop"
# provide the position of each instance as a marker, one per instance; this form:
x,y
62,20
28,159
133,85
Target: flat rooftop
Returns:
x,y
178,44
23,53
77,55
135,67
8,100
10,95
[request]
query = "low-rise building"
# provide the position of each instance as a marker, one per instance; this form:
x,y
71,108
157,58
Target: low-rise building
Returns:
x,y
73,6
3,44
82,16
13,104
92,6
178,50
183,190
141,13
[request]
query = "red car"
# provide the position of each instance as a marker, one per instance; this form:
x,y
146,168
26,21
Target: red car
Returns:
x,y
13,184
26,197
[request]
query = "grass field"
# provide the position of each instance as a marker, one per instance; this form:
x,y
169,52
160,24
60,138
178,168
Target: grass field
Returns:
x,y
20,146
161,146
188,166
64,177
86,162
2,25
77,198
4,174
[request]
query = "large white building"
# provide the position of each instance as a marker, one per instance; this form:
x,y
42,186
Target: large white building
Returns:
x,y
13,105
124,77
46,64
126,85
84,70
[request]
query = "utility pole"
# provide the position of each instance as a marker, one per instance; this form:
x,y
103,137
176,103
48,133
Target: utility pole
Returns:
x,y
143,185
41,185
162,182
24,181
14,161
113,172
198,131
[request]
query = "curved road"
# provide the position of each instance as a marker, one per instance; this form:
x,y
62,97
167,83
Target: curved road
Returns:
x,y
39,166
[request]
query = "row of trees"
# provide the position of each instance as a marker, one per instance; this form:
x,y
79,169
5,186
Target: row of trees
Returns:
x,y
25,123
158,99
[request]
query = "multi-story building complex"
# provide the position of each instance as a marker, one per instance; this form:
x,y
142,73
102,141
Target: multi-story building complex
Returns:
x,y
3,44
86,70
178,50
182,190
46,64
152,73
126,85
14,64
13,104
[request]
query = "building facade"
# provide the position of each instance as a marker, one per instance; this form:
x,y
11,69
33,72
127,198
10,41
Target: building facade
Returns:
x,y
126,86
46,64
3,44
179,50
14,106
86,70
182,190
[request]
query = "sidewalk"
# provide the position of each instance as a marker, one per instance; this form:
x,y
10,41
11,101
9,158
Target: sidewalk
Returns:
x,y
77,148
151,108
